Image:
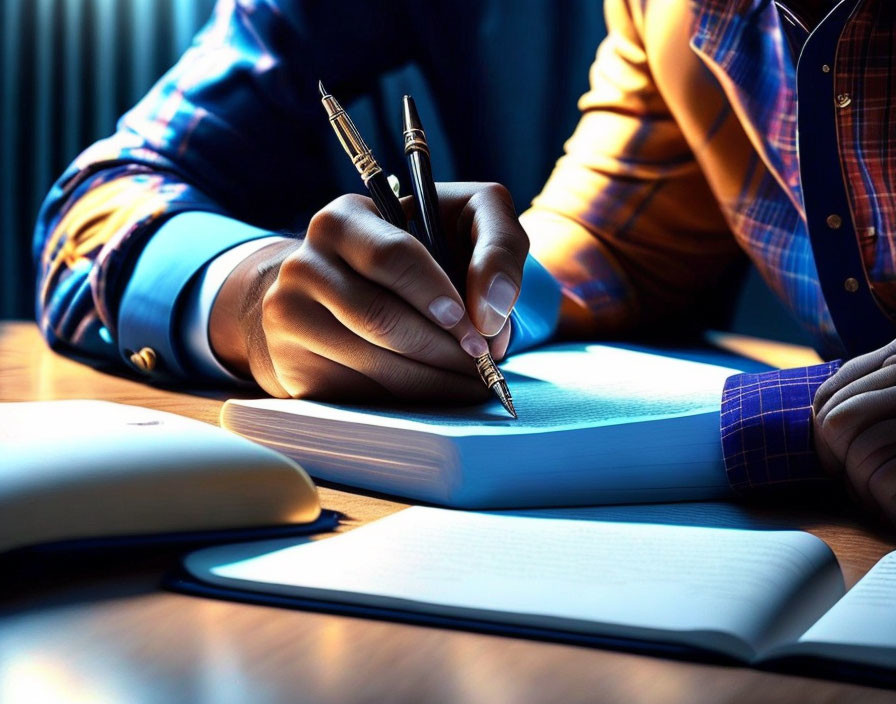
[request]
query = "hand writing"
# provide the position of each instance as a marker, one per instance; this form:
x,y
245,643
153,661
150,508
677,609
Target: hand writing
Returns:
x,y
359,309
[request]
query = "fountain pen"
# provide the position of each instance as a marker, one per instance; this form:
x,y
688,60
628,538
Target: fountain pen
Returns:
x,y
390,209
371,174
417,151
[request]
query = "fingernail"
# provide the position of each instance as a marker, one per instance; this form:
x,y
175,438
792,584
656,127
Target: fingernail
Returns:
x,y
498,302
446,311
473,344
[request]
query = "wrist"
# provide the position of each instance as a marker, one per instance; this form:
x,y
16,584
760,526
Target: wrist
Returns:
x,y
235,321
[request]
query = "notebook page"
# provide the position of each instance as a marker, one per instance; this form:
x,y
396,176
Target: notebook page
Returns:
x,y
555,388
862,625
545,571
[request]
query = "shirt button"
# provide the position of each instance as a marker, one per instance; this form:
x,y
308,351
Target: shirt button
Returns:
x,y
826,68
144,360
843,100
851,285
835,222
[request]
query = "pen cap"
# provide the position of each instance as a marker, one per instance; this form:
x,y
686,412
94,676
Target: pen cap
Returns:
x,y
412,127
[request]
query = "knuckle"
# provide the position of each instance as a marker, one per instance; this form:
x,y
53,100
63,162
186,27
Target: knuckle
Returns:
x,y
296,266
348,204
852,368
391,252
494,197
489,192
505,249
833,421
323,224
273,306
381,319
890,349
882,483
497,190
404,276
305,272
331,220
824,392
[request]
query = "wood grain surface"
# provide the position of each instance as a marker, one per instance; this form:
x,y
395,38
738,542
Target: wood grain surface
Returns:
x,y
109,634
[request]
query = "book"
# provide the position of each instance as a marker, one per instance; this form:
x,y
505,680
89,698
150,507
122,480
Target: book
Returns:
x,y
597,424
755,596
91,470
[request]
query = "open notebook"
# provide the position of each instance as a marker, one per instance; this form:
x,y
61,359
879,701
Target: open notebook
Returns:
x,y
597,424
756,596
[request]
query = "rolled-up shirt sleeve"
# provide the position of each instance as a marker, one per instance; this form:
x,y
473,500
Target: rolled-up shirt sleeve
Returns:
x,y
766,425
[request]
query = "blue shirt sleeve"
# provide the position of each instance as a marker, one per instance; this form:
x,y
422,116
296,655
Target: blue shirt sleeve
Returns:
x,y
154,296
766,425
534,317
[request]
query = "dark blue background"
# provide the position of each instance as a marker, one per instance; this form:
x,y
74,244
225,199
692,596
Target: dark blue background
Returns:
x,y
69,68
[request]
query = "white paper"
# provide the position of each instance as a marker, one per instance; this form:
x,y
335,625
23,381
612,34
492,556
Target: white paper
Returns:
x,y
555,388
680,580
862,625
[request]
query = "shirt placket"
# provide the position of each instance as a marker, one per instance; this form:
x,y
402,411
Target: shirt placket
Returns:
x,y
860,323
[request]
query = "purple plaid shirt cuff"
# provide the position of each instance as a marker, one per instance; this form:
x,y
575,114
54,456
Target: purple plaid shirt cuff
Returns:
x,y
766,425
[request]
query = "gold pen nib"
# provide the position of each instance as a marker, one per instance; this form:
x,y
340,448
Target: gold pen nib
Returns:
x,y
348,136
494,379
503,394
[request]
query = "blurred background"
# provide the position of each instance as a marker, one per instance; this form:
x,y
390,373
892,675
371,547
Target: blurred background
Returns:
x,y
70,68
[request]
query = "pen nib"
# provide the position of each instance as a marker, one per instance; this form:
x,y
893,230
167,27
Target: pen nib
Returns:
x,y
323,91
494,380
503,395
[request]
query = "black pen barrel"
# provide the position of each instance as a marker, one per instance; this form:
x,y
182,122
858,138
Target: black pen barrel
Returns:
x,y
427,202
386,201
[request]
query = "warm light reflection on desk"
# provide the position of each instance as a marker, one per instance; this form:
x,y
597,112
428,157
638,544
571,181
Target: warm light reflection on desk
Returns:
x,y
43,679
772,352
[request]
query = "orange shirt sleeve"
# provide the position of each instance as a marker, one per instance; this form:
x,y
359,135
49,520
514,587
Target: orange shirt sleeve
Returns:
x,y
626,222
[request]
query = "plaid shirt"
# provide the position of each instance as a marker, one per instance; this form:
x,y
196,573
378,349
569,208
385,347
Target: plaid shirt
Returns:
x,y
691,134
686,156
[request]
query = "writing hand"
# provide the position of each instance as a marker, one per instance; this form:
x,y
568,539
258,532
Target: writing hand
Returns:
x,y
855,428
359,309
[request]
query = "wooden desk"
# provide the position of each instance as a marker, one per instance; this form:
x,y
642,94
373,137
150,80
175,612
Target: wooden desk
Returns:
x,y
119,638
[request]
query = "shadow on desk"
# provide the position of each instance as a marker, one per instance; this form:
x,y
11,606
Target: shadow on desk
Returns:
x,y
80,571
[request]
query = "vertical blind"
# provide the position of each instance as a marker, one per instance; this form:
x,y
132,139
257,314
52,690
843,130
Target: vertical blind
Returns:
x,y
68,69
